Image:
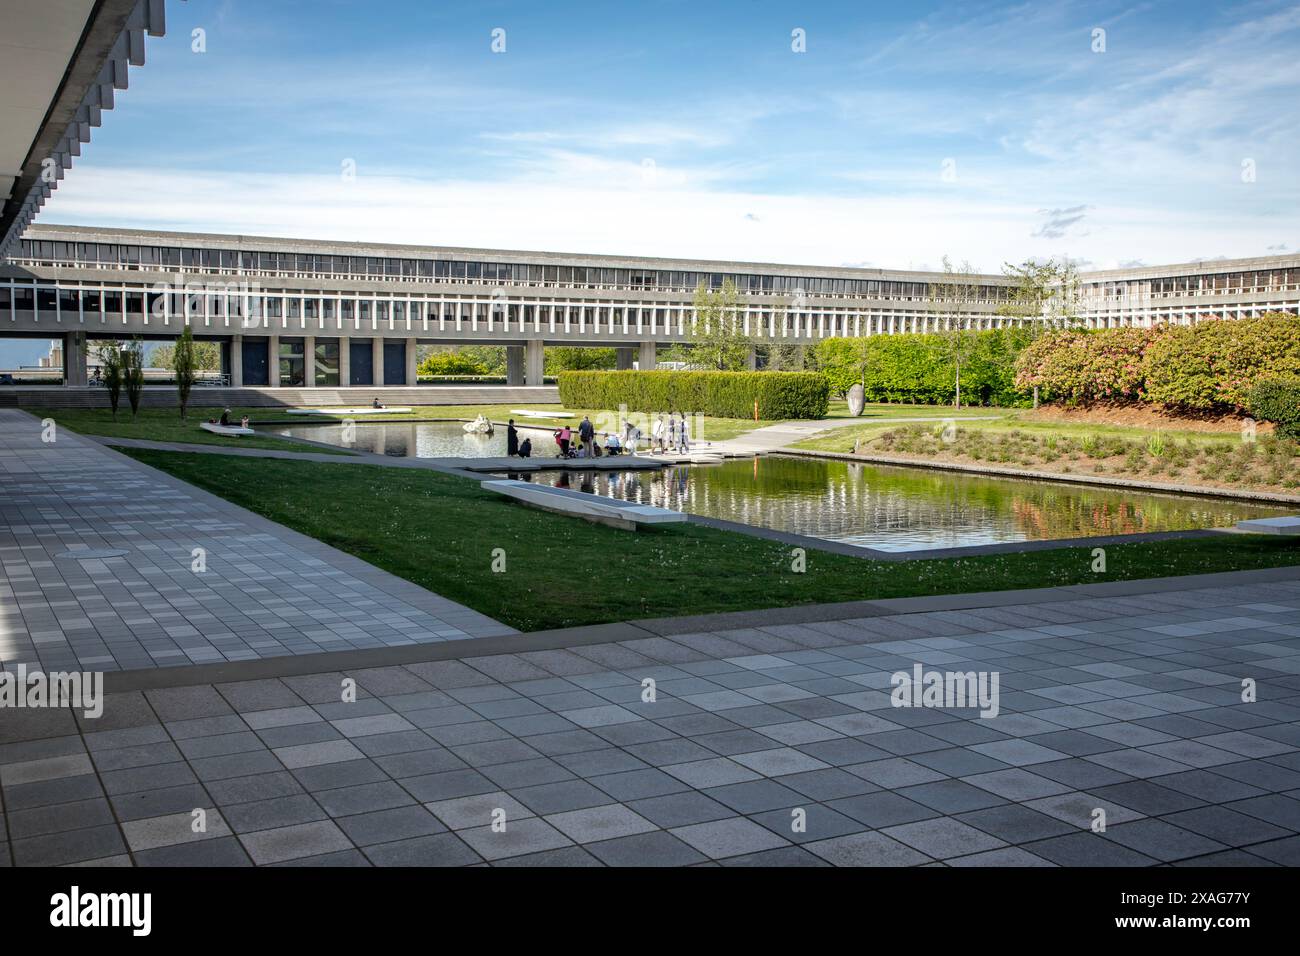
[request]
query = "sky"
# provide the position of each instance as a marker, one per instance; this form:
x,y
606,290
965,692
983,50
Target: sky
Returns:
x,y
874,134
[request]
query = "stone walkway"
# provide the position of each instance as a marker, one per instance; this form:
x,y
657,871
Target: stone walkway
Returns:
x,y
766,745
772,438
134,599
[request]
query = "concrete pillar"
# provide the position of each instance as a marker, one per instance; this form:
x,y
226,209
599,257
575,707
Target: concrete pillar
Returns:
x,y
624,358
751,360
273,360
514,365
309,361
412,375
74,359
377,359
236,361
345,362
646,359
534,362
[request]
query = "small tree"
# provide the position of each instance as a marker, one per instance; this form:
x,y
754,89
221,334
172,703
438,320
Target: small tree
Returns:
x,y
110,363
952,300
133,375
183,361
717,336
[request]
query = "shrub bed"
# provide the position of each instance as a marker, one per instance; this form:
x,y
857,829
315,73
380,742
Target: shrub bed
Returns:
x,y
780,395
1277,400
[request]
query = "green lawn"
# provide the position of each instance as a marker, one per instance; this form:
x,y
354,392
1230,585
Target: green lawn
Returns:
x,y
164,424
1008,420
440,531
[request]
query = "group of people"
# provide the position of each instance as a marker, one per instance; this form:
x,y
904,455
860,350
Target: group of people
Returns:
x,y
666,433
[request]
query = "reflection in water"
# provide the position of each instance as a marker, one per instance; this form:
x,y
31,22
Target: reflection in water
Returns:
x,y
902,509
424,439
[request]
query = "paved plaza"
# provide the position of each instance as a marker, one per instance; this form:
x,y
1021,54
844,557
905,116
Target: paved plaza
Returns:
x,y
1131,705
135,599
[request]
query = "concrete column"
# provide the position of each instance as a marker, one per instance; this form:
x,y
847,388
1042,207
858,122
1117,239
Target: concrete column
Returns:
x,y
646,359
236,361
273,360
74,359
514,365
377,359
412,376
345,362
534,362
751,361
309,361
624,359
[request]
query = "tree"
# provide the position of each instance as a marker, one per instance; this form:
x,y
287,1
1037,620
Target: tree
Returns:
x,y
207,356
566,358
451,363
717,337
1047,292
952,301
110,364
184,363
133,374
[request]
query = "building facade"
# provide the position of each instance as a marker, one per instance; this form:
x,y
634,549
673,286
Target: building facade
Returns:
x,y
329,314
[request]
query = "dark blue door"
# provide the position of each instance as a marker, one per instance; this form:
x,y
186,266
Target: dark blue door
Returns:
x,y
361,363
255,364
394,363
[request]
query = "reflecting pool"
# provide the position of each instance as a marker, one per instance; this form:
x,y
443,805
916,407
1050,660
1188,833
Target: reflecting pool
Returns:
x,y
902,509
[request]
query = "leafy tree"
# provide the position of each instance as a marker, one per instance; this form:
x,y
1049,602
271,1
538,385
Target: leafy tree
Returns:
x,y
565,358
133,375
207,356
952,302
717,337
451,363
110,364
1045,291
184,362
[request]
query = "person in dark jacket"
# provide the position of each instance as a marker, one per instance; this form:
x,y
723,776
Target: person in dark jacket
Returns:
x,y
512,439
526,449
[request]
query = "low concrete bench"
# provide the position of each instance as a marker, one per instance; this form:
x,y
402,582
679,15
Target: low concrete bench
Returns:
x,y
217,429
627,515
1287,524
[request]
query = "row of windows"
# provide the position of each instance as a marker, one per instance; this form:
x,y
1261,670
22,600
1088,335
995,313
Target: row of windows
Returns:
x,y
372,267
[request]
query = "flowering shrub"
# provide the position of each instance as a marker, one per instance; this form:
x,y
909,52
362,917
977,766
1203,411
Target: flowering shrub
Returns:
x,y
1212,364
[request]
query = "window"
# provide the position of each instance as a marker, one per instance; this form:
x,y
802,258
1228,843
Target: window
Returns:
x,y
292,364
327,363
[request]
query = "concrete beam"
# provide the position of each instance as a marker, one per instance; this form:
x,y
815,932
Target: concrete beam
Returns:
x,y
237,361
377,360
412,370
309,361
273,360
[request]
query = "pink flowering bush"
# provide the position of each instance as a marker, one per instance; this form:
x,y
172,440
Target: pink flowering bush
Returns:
x,y
1213,364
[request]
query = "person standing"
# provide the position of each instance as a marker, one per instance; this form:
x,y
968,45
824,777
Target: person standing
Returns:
x,y
587,434
657,435
684,441
512,439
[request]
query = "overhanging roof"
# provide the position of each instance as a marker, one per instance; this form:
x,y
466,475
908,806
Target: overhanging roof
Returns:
x,y
60,63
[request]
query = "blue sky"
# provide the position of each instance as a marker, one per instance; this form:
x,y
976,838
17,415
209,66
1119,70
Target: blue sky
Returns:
x,y
693,129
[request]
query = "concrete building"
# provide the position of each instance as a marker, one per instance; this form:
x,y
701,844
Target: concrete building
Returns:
x,y
307,314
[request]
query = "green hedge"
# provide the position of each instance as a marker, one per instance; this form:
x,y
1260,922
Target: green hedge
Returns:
x,y
780,395
919,368
1277,400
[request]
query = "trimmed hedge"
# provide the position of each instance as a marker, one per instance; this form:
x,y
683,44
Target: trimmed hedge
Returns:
x,y
918,368
1212,364
780,395
1277,400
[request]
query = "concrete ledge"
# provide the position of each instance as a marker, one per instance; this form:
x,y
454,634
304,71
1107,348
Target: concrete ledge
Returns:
x,y
1286,525
615,632
627,515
